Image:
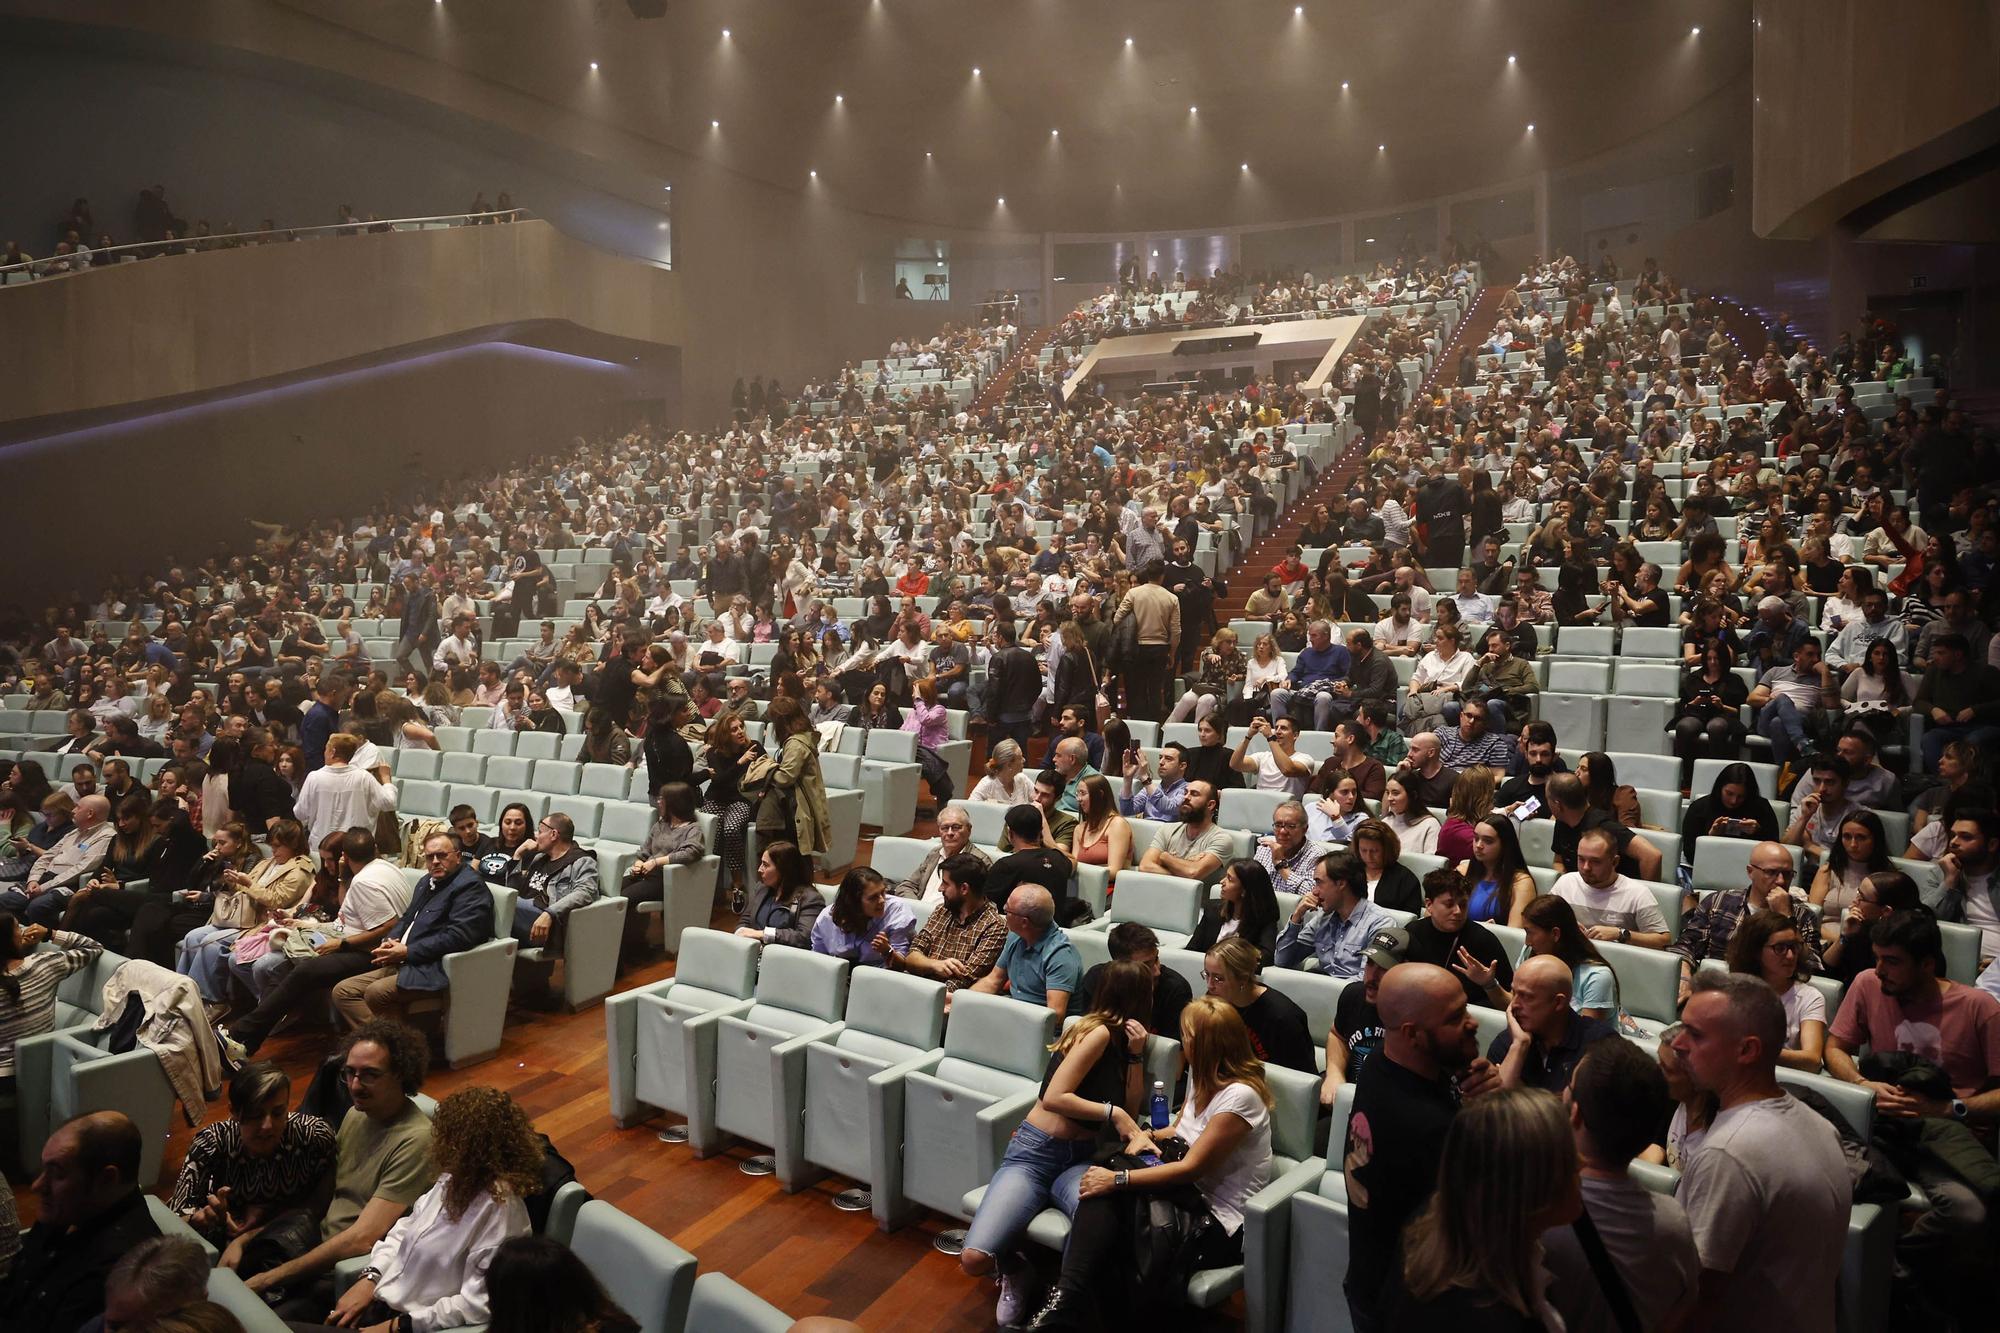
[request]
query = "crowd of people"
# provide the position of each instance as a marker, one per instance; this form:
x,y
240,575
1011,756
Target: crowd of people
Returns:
x,y
1033,566
79,242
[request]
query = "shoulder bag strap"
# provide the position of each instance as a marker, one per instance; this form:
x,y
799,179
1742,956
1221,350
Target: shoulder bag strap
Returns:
x,y
1609,1280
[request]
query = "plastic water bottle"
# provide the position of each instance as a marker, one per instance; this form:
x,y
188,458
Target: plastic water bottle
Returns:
x,y
1160,1114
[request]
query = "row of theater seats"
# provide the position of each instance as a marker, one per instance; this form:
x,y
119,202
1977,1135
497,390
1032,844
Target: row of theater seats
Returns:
x,y
855,1073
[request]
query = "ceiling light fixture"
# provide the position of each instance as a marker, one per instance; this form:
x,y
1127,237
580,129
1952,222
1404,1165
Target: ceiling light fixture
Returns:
x,y
1298,11
814,174
1343,85
1381,148
593,67
725,32
1531,127
975,71
715,124
1128,41
1001,201
1055,134
1368,241
1246,166
1193,109
1696,32
839,100
1511,59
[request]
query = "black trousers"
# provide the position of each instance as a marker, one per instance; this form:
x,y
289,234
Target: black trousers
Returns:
x,y
1099,1245
305,977
106,915
160,922
1145,671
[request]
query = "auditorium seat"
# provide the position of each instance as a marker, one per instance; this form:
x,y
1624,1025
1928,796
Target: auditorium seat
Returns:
x,y
660,1039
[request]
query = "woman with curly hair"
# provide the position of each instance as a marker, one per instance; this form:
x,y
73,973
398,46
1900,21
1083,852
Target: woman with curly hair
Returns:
x,y
432,1265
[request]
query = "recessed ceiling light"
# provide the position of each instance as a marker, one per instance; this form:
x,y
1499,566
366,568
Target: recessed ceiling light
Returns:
x,y
1511,59
725,32
1246,166
927,152
1695,32
1193,109
838,99
715,124
1055,134
814,174
975,71
1128,41
1368,240
1156,254
593,67
1343,85
1298,10
1001,201
1381,148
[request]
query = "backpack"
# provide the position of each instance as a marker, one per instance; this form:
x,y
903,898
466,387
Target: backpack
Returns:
x,y
416,832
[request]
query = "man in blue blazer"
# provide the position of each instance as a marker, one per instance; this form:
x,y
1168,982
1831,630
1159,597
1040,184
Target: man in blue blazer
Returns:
x,y
450,911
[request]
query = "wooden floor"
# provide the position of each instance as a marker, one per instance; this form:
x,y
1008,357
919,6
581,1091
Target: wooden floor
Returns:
x,y
796,1251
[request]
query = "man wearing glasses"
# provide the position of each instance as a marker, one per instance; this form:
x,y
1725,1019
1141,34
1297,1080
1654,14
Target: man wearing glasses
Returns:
x,y
1707,924
383,1164
450,911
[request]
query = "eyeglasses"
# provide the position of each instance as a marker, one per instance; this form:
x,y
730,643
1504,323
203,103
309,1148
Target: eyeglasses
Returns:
x,y
1783,946
365,1077
1214,978
1782,872
437,856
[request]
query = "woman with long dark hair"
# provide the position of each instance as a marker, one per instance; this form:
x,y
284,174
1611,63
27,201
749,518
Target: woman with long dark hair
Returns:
x,y
866,923
538,1285
729,754
785,905
1248,909
1498,885
1549,926
1708,722
1767,946
1860,849
1733,808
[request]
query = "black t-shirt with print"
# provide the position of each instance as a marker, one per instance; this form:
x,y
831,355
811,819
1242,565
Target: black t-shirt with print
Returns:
x,y
1359,1024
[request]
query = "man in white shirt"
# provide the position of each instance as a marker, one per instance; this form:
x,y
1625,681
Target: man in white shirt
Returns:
x,y
1768,1194
1281,767
1608,905
341,796
458,648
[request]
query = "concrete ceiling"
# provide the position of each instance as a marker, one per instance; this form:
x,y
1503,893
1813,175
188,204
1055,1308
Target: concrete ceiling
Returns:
x,y
1431,104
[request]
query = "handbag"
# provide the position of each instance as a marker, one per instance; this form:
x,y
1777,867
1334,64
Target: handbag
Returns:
x,y
756,778
233,910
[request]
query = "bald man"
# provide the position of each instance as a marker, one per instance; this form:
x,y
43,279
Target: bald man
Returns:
x,y
71,861
1404,1101
1545,1037
1038,965
91,1214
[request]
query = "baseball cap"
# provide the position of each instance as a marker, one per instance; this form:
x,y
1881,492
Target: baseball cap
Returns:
x,y
1386,947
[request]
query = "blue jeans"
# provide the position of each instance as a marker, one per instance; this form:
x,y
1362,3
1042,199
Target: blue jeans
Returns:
x,y
44,909
1780,723
260,976
1322,707
1037,1171
526,914
204,957
1496,715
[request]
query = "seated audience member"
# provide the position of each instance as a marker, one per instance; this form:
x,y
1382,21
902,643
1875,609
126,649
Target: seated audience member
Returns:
x,y
1617,1096
1227,1098
91,1215
556,876
1499,884
1959,699
1095,1084
1196,847
70,862
1391,884
1157,798
1767,945
1029,859
1424,777
674,839
1709,920
429,1273
954,829
1475,742
1868,783
1128,941
473,845
1852,951
865,925
785,905
1549,928
1966,877
1356,1031
1768,1192
1817,816
157,1280
262,1162
382,1164
30,976
450,911
164,919
1545,1037
1102,836
1446,935
1038,965
1287,854
1733,808
1611,906
1279,1032
1506,1171
535,1284
965,933
1934,1055
1059,824
372,898
1335,921
1569,804
1248,908
1539,762
1281,766
273,888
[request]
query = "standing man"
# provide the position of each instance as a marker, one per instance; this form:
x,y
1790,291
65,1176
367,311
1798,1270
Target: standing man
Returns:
x,y
1768,1194
1013,683
1156,615
1404,1101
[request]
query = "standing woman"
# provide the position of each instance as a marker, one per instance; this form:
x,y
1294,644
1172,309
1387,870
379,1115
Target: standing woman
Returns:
x,y
928,719
1095,1081
664,750
785,906
1225,1127
1471,1257
794,804
1767,945
729,752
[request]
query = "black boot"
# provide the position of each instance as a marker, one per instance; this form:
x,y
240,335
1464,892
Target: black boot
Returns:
x,y
1062,1310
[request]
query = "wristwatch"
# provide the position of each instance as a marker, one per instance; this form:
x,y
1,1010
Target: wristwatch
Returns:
x,y
370,1274
1120,1179
1959,1110
1624,934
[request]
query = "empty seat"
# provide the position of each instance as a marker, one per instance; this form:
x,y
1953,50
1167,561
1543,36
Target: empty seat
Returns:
x,y
760,1053
649,1277
661,1038
721,1305
493,742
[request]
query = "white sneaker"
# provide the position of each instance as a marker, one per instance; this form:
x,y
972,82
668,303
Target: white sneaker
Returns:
x,y
1018,1290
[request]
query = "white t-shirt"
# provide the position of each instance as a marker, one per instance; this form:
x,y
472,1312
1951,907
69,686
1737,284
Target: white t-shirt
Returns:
x,y
1247,1169
1803,1003
1768,1196
1626,904
1435,670
1272,778
377,893
990,788
1650,1244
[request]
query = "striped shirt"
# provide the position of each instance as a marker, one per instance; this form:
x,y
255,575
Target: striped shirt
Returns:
x,y
28,997
287,1178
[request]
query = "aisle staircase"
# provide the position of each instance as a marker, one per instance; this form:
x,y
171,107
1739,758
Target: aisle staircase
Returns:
x,y
1471,331
996,388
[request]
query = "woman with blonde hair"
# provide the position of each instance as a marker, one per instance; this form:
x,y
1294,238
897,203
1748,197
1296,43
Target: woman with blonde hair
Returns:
x,y
1219,666
1004,780
1219,1142
429,1272
1472,1255
1266,671
1096,1079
